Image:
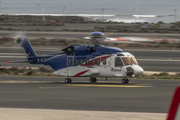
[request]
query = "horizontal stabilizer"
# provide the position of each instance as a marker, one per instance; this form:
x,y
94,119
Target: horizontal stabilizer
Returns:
x,y
19,61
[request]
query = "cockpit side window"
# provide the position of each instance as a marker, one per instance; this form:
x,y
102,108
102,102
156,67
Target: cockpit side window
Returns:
x,y
118,62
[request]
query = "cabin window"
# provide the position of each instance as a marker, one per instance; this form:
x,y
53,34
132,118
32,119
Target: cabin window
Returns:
x,y
118,62
81,62
104,62
76,62
87,62
93,62
70,62
97,62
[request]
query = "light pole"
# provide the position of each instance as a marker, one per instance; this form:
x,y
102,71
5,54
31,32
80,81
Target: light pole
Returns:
x,y
64,10
174,15
37,10
102,14
43,13
63,13
0,6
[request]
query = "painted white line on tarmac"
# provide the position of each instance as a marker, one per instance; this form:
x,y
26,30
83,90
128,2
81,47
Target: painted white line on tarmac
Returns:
x,y
173,50
34,48
12,56
165,60
44,114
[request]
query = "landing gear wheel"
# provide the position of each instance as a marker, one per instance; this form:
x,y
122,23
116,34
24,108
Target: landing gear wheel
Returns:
x,y
68,80
93,79
123,81
127,81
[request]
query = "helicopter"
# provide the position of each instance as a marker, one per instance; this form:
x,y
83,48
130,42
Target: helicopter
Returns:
x,y
86,61
99,37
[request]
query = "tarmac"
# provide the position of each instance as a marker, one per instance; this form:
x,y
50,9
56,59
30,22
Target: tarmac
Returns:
x,y
49,98
51,114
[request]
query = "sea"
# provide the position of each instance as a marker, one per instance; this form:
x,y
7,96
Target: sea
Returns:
x,y
128,11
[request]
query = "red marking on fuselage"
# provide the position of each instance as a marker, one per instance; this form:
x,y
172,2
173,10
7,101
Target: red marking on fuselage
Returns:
x,y
81,73
105,57
9,62
102,58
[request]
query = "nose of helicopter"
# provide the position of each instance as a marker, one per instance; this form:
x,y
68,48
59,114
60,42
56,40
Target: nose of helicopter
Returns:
x,y
129,71
138,70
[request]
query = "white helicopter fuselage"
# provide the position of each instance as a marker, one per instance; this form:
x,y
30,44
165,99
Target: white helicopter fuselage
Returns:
x,y
111,65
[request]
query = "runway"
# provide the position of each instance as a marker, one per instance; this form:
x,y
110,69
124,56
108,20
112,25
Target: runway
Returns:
x,y
151,59
152,96
78,35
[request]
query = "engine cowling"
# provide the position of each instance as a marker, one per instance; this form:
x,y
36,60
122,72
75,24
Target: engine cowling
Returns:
x,y
79,50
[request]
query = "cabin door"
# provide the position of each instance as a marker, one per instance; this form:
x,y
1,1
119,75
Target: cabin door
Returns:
x,y
106,66
117,66
70,63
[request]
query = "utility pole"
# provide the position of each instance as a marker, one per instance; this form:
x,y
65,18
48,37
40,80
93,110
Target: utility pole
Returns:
x,y
102,14
37,10
63,13
174,15
43,13
0,6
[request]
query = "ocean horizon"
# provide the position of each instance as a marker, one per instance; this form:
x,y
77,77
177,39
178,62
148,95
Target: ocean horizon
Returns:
x,y
128,11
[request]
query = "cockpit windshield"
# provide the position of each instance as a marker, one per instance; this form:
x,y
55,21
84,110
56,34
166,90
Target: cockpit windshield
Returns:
x,y
129,61
134,60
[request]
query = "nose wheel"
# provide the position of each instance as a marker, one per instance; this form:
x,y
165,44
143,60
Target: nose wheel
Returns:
x,y
93,79
125,81
68,80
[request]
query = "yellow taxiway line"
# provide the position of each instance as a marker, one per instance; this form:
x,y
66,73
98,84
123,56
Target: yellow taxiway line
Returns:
x,y
79,85
87,85
94,85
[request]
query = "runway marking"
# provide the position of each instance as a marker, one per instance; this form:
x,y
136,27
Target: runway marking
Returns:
x,y
36,49
94,85
12,56
166,60
170,50
49,87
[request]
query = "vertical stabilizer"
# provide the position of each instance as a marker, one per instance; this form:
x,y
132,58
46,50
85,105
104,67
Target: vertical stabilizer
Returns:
x,y
24,42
